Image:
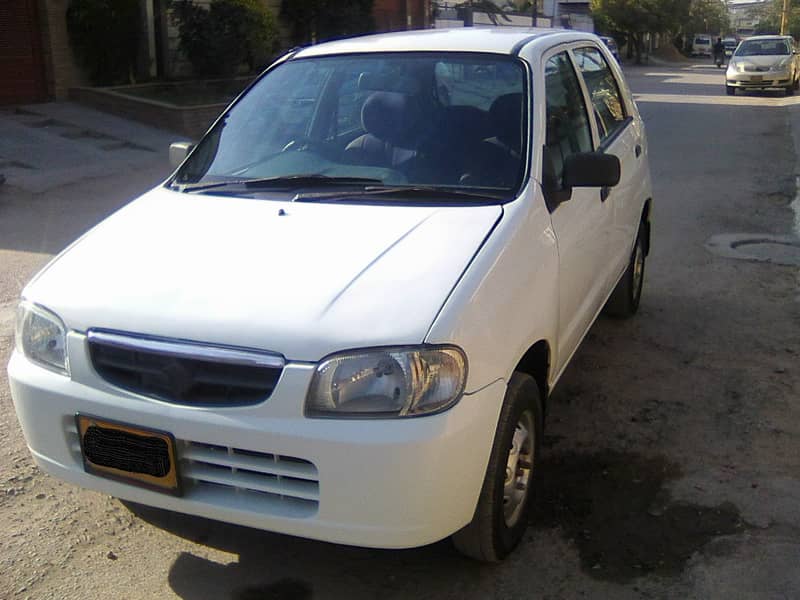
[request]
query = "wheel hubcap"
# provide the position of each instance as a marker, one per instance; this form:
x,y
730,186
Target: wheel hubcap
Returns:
x,y
518,469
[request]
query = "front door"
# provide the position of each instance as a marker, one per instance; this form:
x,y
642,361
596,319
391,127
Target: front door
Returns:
x,y
581,220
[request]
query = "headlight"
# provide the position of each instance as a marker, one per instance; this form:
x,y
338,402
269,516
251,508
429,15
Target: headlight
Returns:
x,y
388,382
41,336
781,65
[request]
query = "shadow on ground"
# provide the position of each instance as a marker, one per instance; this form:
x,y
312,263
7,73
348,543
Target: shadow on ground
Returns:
x,y
611,506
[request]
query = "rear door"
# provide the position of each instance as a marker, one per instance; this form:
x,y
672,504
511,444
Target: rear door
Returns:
x,y
620,135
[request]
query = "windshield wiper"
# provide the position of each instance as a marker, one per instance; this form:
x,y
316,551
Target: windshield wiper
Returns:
x,y
282,181
399,192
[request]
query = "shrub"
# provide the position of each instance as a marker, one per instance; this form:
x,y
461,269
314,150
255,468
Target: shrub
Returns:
x,y
320,20
104,34
217,40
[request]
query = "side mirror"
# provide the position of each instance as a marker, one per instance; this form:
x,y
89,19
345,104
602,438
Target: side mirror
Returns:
x,y
178,151
591,169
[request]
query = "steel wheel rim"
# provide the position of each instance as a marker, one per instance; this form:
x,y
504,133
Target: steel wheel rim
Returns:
x,y
519,468
638,270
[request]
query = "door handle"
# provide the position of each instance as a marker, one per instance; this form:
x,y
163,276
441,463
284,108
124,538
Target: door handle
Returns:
x,y
638,150
604,192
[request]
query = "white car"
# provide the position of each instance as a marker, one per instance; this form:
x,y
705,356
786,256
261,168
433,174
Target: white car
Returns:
x,y
342,316
702,45
764,62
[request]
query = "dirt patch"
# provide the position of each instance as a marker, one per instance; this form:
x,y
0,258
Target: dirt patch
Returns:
x,y
615,509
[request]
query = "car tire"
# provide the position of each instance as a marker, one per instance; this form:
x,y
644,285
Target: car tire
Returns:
x,y
789,90
501,515
624,300
797,84
730,90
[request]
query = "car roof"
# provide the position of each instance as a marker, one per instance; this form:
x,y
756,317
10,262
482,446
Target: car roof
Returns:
x,y
768,37
495,40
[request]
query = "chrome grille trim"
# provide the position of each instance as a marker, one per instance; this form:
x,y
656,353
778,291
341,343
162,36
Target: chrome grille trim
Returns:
x,y
187,349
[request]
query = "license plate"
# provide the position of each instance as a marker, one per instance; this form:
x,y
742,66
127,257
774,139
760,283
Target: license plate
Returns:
x,y
130,454
756,77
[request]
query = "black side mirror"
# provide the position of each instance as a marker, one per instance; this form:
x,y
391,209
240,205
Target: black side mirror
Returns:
x,y
591,169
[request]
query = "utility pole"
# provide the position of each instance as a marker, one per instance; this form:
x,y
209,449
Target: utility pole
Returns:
x,y
534,12
785,18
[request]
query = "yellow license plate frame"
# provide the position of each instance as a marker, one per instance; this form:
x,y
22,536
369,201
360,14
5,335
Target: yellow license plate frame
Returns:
x,y
169,483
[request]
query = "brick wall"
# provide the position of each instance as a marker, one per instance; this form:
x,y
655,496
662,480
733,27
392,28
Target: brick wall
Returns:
x,y
61,69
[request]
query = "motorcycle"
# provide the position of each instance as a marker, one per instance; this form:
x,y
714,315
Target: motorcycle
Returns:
x,y
719,59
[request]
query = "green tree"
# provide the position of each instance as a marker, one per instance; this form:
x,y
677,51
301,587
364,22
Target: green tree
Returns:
x,y
227,34
706,16
318,20
105,37
635,18
770,18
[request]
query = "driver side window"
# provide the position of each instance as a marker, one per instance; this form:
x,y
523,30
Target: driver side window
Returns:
x,y
568,131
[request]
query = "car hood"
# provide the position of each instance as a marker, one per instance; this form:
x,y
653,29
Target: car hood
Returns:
x,y
301,279
761,61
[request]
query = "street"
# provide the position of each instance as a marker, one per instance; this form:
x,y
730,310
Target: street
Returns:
x,y
672,450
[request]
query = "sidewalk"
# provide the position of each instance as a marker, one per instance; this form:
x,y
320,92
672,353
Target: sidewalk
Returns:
x,y
44,146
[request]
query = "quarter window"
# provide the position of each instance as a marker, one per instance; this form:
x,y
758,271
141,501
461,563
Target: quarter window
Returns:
x,y
568,130
609,110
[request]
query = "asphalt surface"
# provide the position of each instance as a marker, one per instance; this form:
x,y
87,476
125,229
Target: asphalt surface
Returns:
x,y
670,467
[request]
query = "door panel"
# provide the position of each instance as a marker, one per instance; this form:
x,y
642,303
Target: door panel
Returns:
x,y
581,223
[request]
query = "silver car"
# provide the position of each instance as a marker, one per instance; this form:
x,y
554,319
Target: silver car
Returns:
x,y
762,62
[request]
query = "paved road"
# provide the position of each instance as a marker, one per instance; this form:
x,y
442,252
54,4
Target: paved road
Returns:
x,y
671,462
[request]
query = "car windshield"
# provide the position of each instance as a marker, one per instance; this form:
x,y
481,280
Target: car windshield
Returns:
x,y
763,48
444,121
702,41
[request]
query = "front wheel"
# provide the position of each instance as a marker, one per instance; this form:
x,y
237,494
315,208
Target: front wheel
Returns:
x,y
624,300
501,516
789,91
730,90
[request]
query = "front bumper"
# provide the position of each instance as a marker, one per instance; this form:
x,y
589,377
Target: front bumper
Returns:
x,y
379,483
762,80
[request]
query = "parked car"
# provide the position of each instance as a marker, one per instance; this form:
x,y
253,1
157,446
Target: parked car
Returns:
x,y
764,62
342,316
730,47
702,45
612,46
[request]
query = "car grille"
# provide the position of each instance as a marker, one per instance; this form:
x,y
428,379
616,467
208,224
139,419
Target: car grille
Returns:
x,y
755,69
272,483
184,372
258,482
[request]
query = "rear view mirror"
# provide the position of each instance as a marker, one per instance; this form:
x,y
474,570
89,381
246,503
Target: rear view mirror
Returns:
x,y
591,169
178,151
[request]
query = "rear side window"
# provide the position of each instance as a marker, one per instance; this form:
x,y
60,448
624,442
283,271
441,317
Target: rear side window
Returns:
x,y
609,110
568,130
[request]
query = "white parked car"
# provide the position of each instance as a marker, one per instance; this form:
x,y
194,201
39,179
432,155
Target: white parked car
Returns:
x,y
702,45
342,316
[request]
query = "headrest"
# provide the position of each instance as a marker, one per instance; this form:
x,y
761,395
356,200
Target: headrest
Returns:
x,y
391,117
506,113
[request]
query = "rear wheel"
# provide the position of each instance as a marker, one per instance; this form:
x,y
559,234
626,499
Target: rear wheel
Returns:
x,y
730,90
624,300
501,516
